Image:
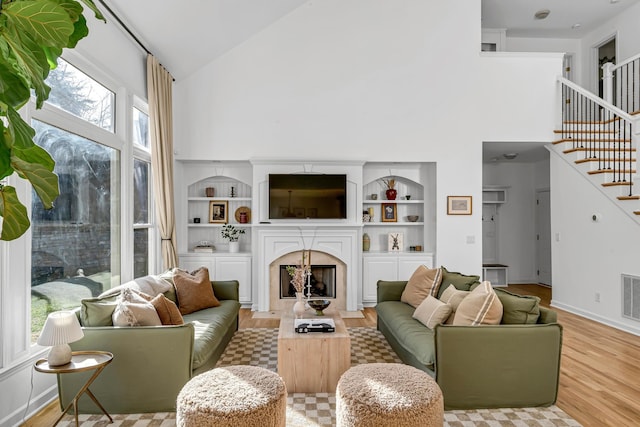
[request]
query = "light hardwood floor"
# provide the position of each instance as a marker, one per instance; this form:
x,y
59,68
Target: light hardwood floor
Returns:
x,y
600,369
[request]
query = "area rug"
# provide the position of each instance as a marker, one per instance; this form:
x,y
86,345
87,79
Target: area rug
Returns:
x,y
258,347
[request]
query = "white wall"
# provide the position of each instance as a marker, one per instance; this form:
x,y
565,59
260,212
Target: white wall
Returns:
x,y
109,56
540,44
627,31
371,81
589,257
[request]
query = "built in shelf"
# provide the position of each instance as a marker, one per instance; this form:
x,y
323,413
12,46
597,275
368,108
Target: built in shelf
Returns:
x,y
207,225
378,201
391,224
204,199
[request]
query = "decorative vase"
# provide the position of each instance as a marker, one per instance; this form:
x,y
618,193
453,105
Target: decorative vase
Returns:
x,y
210,191
299,306
391,194
234,247
243,218
366,242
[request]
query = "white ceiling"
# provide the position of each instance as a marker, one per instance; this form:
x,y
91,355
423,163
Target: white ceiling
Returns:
x,y
186,35
516,16
527,152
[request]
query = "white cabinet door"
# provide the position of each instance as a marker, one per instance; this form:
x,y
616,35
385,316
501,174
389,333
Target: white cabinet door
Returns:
x,y
191,263
376,268
236,268
407,265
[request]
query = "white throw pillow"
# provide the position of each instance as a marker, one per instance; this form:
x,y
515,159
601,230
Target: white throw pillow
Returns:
x,y
134,310
432,312
453,297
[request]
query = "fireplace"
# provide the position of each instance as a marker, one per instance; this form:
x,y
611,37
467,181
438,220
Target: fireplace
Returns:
x,y
330,246
321,282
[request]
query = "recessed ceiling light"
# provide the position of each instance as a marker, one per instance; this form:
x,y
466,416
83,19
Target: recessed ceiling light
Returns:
x,y
576,26
542,14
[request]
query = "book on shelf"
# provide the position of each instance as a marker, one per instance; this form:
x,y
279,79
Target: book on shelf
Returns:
x,y
205,249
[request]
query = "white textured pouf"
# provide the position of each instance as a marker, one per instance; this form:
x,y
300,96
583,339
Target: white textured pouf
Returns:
x,y
233,396
388,394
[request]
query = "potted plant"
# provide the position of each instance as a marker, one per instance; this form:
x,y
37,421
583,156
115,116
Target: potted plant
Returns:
x,y
232,234
391,192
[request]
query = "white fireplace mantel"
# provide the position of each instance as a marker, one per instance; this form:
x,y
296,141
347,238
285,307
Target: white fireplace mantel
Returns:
x,y
273,241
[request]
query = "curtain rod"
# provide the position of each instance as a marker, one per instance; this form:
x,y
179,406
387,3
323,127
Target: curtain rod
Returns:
x,y
133,36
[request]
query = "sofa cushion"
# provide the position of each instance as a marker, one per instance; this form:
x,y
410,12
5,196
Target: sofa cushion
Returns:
x,y
481,307
432,312
133,309
167,310
453,297
461,281
98,311
423,282
407,331
194,291
211,324
518,309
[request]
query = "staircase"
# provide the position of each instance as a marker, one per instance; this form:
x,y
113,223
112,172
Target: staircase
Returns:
x,y
600,140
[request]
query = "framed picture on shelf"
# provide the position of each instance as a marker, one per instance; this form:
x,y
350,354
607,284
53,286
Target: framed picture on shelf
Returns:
x,y
395,242
459,205
218,212
389,212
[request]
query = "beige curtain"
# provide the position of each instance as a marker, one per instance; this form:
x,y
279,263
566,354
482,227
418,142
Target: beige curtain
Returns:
x,y
159,86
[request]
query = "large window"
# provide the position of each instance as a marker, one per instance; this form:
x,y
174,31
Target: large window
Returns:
x,y
142,213
80,95
76,246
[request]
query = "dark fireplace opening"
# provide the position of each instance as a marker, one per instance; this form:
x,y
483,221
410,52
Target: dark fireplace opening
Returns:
x,y
321,283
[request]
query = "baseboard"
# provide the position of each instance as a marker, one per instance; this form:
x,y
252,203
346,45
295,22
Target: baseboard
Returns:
x,y
595,317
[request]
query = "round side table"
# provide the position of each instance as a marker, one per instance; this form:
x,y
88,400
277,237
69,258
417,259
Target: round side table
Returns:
x,y
80,361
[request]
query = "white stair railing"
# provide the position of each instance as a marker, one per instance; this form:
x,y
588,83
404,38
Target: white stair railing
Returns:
x,y
621,84
600,131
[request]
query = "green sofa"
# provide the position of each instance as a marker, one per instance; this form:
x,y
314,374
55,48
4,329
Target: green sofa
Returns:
x,y
506,365
151,364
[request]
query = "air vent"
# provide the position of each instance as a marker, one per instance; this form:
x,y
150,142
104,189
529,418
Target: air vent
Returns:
x,y
631,296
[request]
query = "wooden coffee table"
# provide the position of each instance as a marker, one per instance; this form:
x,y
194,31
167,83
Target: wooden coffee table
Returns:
x,y
313,362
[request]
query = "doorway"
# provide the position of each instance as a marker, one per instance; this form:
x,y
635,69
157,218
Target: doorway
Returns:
x,y
606,52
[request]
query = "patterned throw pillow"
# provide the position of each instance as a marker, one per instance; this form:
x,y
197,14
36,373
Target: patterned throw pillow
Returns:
x,y
133,309
423,282
481,307
194,291
432,312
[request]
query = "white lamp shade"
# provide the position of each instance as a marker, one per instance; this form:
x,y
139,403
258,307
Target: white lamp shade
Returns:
x,y
61,327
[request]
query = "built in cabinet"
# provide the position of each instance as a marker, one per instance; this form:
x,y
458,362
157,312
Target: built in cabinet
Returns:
x,y
230,182
223,266
389,267
413,220
241,186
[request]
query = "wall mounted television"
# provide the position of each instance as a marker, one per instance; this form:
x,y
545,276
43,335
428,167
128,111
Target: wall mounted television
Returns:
x,y
307,196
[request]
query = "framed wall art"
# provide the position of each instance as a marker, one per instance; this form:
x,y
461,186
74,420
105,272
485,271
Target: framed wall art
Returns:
x,y
389,212
218,212
395,242
459,205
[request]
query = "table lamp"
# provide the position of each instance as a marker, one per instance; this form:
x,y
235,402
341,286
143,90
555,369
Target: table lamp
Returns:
x,y
60,329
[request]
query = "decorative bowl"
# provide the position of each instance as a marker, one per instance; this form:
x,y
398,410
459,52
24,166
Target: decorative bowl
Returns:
x,y
413,218
318,305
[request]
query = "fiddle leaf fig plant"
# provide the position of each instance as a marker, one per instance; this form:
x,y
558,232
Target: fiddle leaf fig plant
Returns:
x,y
33,34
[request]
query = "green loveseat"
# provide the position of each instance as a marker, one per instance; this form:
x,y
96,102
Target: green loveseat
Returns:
x,y
506,365
151,364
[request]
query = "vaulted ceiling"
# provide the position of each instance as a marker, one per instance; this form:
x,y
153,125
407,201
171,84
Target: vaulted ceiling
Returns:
x,y
187,35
